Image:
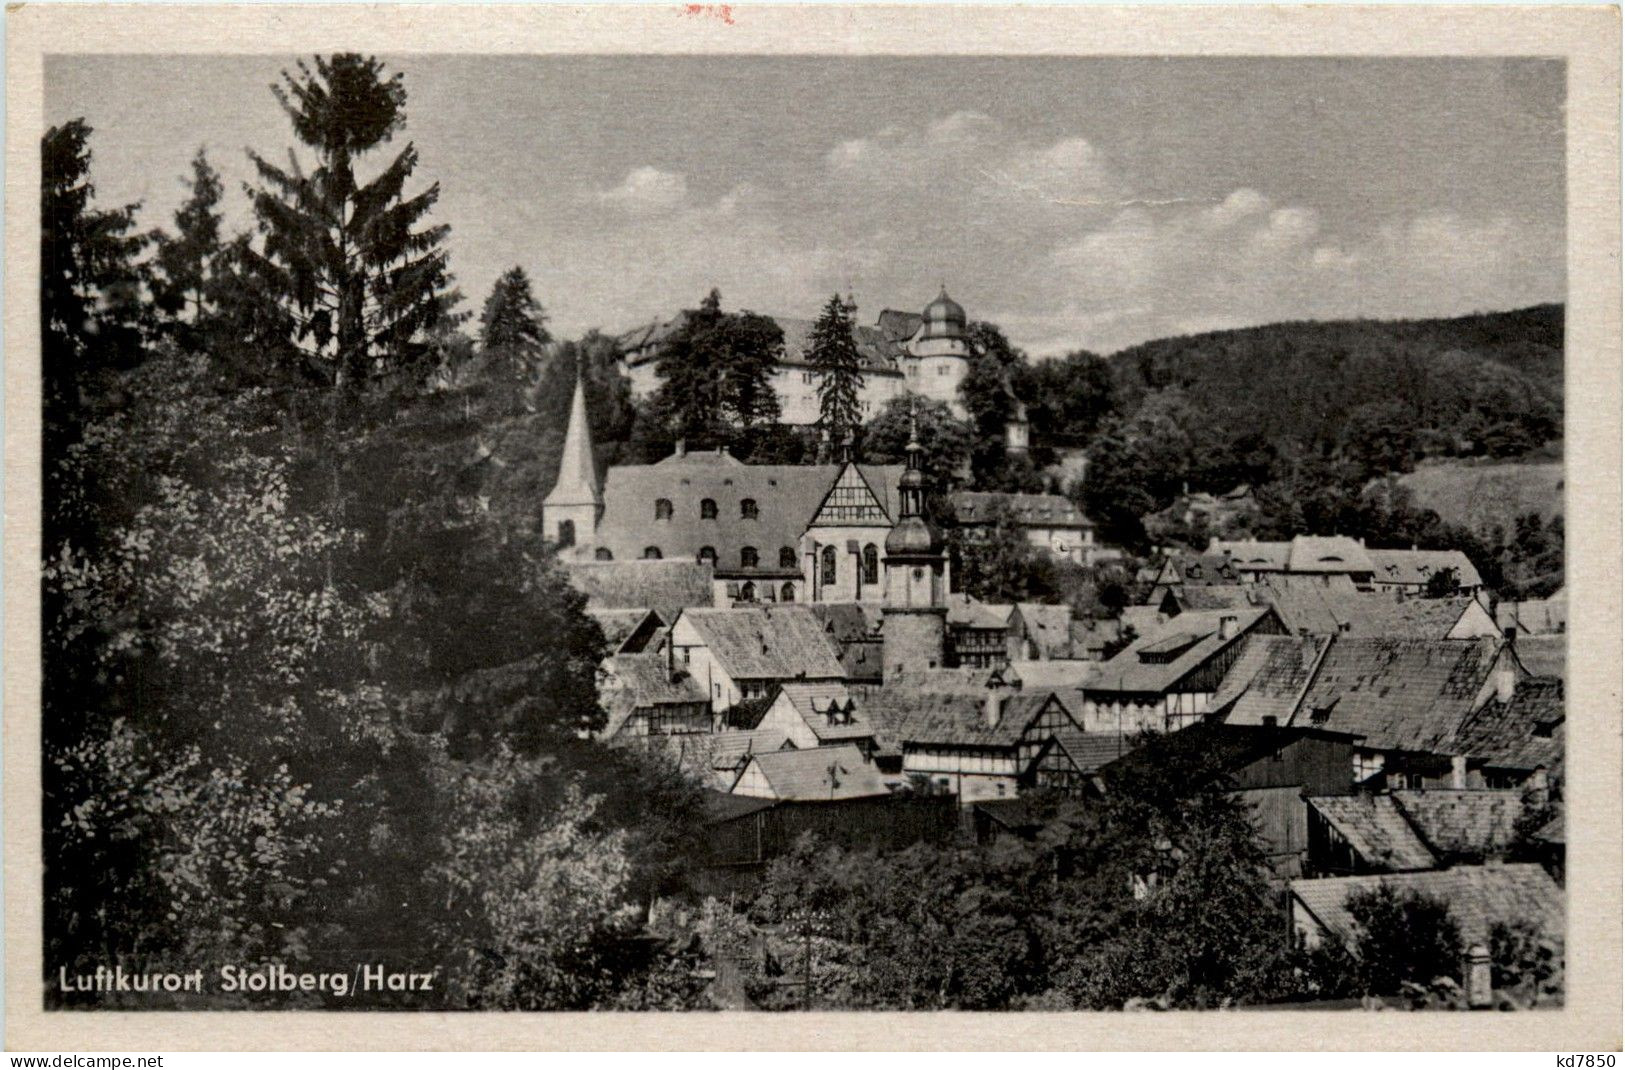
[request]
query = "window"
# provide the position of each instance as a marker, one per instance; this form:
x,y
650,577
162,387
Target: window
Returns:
x,y
747,509
787,592
829,564
747,557
708,509
942,370
807,377
603,554
567,532
787,557
651,553
747,593
662,508
871,564
708,555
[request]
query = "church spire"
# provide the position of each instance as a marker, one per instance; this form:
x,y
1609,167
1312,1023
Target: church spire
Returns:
x,y
572,508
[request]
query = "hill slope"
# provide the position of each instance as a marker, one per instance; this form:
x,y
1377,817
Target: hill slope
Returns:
x,y
1468,380
1477,496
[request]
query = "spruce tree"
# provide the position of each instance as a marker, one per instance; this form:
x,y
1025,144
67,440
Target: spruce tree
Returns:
x,y
363,280
513,331
186,261
834,354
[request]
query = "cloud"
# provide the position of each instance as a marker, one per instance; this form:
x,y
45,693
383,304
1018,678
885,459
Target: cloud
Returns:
x,y
647,190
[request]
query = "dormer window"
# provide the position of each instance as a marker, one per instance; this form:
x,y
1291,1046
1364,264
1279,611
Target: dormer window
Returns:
x,y
662,508
651,553
747,557
708,509
747,509
787,557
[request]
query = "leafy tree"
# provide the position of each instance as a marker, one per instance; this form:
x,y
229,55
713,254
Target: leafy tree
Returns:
x,y
1442,584
834,353
348,258
1379,438
513,331
945,441
994,562
1115,491
989,398
1402,938
1069,397
716,373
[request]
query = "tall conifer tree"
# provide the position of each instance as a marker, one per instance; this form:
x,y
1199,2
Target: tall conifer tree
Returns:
x,y
349,258
186,261
513,326
835,354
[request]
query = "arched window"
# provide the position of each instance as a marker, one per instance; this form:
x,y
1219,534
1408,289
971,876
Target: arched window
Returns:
x,y
651,553
787,592
708,509
708,555
747,592
603,554
787,557
567,532
829,564
871,564
662,508
747,557
747,509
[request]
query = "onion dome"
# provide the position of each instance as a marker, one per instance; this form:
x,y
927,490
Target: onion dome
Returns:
x,y
913,537
942,318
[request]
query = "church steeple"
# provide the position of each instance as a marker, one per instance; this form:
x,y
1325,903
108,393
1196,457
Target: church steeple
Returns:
x,y
571,509
914,632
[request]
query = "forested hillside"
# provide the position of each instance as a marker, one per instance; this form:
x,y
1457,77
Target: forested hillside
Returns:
x,y
1482,384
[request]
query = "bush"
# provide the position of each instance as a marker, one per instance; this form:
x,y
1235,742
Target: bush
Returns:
x,y
1402,938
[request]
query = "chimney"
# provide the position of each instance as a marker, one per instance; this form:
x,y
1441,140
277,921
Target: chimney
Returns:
x,y
1458,771
1227,627
1506,680
680,448
993,708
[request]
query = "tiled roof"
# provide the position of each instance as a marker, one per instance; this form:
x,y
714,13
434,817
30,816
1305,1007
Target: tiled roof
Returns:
x,y
1031,510
966,612
1223,748
783,642
1463,822
1400,694
619,625
1092,636
1327,553
1478,896
1251,555
786,495
1090,751
819,773
898,326
1376,831
1268,680
830,710
1544,655
1049,628
959,718
1127,672
1418,566
666,587
645,680
1055,675
1317,610
1522,734
844,622
713,758
1215,596
1540,616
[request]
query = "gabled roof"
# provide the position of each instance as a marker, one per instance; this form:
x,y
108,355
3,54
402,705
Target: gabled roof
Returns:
x,y
782,642
959,718
623,625
1375,830
844,622
1049,628
1317,610
1269,679
642,682
1478,896
1057,674
1091,751
1477,822
1400,694
818,773
666,587
966,612
1028,510
1251,555
712,758
898,326
1188,641
1418,566
1523,734
1223,749
1215,596
830,711
786,497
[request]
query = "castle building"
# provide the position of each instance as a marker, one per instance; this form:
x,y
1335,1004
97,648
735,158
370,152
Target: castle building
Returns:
x,y
925,353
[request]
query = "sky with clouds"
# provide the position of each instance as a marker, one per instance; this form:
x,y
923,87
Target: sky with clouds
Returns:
x,y
1078,202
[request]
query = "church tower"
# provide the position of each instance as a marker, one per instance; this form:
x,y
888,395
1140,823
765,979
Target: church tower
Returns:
x,y
914,635
571,510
